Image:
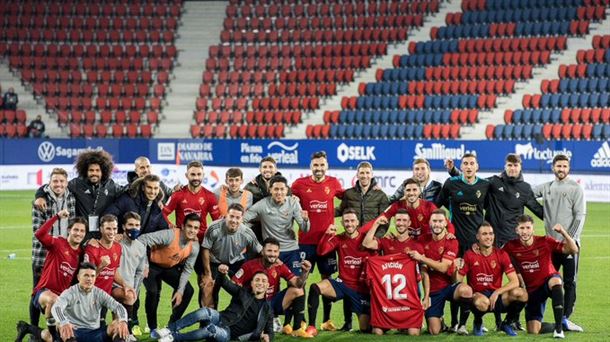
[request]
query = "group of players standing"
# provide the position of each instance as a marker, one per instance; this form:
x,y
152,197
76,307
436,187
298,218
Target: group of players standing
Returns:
x,y
111,239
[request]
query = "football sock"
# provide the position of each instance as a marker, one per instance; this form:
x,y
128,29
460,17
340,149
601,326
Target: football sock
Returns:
x,y
298,309
557,298
455,307
465,307
347,311
313,302
327,305
513,310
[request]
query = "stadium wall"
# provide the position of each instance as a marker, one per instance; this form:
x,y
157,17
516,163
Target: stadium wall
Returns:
x,y
26,163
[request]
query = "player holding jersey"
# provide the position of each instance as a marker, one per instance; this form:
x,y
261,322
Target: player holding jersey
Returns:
x,y
348,285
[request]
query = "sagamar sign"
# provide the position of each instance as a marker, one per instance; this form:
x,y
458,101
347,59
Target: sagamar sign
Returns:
x,y
439,151
530,152
345,152
253,153
47,151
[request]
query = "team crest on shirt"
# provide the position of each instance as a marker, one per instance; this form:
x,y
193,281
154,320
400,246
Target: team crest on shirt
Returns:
x,y
517,195
327,190
201,200
478,193
536,252
476,263
440,249
493,264
274,274
115,256
420,217
308,190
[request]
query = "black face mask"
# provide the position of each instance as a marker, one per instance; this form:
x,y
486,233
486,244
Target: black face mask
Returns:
x,y
133,233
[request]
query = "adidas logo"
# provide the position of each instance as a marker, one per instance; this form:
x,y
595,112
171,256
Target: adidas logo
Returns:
x,y
602,157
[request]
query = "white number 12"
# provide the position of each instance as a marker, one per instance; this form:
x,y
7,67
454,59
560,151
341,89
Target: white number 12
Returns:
x,y
401,283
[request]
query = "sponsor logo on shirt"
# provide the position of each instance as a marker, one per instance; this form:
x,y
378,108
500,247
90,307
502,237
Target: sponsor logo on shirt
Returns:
x,y
530,266
67,269
484,279
468,208
318,206
352,262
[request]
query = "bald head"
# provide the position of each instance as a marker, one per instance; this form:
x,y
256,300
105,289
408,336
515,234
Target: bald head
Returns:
x,y
142,166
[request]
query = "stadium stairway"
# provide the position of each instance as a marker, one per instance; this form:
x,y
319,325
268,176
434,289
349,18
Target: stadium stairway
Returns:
x,y
201,22
333,103
532,86
27,101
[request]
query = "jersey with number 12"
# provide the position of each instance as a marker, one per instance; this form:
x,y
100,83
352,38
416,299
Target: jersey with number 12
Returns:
x,y
395,302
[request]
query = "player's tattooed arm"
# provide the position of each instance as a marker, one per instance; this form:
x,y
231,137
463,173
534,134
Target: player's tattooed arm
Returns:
x,y
570,246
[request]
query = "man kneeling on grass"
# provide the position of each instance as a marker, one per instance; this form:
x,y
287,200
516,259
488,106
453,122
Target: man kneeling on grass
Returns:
x,y
78,311
248,317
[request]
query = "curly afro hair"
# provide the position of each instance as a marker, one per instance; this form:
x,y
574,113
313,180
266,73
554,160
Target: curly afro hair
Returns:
x,y
101,158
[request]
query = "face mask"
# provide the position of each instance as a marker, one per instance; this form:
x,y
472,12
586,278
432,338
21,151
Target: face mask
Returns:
x,y
133,233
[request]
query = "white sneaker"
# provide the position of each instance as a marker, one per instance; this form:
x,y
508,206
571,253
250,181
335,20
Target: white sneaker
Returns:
x,y
160,333
558,334
462,331
131,338
484,329
168,338
277,325
571,326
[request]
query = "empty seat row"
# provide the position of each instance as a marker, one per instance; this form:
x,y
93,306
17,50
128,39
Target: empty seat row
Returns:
x,y
234,131
115,131
436,131
305,50
13,130
253,117
474,5
562,100
593,56
512,15
309,36
87,36
489,45
419,101
281,63
88,50
342,8
519,29
557,131
601,42
69,8
402,116
12,116
437,87
566,115
100,103
106,117
576,85
473,59
321,22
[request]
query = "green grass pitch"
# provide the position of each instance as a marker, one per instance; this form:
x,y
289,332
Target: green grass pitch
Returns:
x,y
592,310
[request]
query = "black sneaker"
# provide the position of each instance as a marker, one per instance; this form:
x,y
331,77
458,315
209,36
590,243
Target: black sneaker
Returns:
x,y
23,329
346,327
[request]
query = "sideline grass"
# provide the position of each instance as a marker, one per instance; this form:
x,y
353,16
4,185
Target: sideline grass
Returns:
x,y
592,311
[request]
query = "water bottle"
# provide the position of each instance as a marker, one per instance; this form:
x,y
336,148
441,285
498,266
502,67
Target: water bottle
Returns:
x,y
12,256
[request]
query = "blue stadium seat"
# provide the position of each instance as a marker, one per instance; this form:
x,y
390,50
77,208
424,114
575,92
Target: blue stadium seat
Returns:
x,y
537,131
409,131
507,133
418,133
428,116
384,116
402,117
366,117
564,100
545,100
392,131
357,131
537,115
402,131
367,131
583,100
606,132
393,117
334,131
342,130
343,116
564,85
498,130
375,132
597,132
436,116
555,116
518,116
419,117
349,131
527,131
383,131
446,117
517,132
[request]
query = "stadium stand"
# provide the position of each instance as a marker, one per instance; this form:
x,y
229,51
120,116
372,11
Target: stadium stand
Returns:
x,y
479,55
95,65
278,60
574,106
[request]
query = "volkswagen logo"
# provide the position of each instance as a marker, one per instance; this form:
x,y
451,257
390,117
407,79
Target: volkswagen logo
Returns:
x,y
46,151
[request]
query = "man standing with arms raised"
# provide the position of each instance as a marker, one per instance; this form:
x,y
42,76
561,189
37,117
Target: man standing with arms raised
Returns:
x,y
317,194
564,204
193,198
